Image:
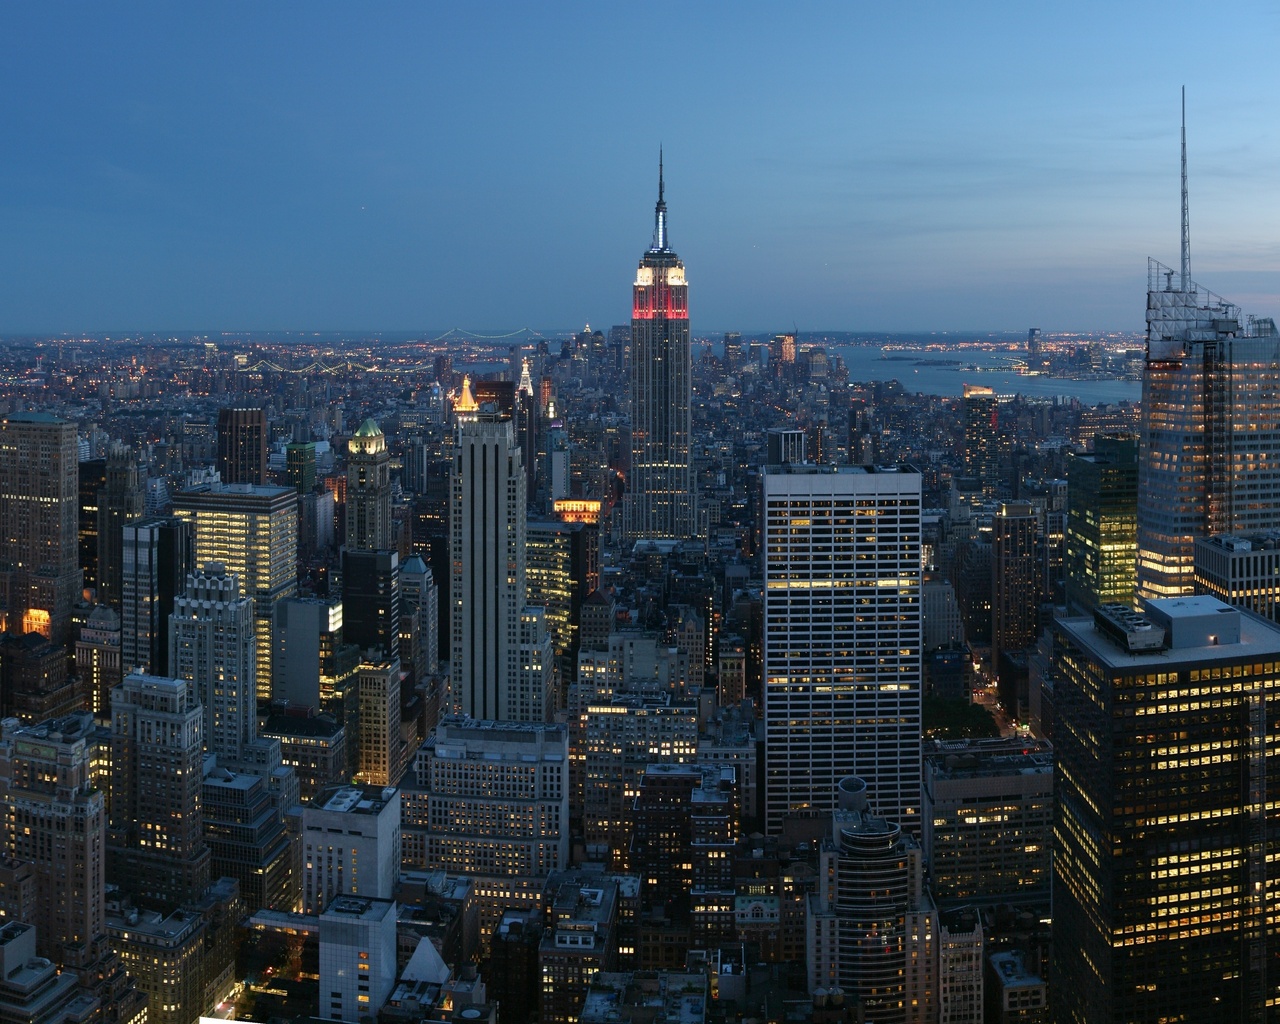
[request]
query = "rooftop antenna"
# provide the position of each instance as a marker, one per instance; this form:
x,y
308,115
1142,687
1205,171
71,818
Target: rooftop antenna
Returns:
x,y
1186,217
660,213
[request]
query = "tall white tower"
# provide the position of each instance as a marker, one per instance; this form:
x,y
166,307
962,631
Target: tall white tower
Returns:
x,y
493,674
842,633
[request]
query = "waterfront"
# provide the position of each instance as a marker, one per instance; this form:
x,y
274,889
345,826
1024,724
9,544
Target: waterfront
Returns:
x,y
945,373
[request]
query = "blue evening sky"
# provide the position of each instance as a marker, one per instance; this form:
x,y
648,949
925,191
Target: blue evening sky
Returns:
x,y
847,166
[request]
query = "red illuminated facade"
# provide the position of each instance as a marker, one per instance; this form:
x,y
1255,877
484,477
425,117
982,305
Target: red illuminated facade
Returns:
x,y
659,503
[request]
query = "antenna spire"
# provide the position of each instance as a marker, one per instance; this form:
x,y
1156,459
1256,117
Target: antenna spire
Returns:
x,y
660,243
1186,217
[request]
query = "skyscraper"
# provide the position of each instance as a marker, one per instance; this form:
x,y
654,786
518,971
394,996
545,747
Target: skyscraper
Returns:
x,y
1102,523
368,490
982,438
242,446
659,502
39,516
1165,827
120,500
487,545
156,846
842,633
212,644
54,818
157,554
1210,458
253,532
1015,603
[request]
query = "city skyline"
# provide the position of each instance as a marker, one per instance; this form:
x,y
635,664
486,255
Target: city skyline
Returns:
x,y
230,168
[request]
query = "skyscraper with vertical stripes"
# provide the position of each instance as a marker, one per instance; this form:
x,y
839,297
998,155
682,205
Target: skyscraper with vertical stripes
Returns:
x,y
659,502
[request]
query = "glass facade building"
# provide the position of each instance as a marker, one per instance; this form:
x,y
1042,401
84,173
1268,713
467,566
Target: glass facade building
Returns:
x,y
1163,893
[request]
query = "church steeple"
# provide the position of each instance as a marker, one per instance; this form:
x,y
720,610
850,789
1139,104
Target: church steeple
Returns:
x,y
660,243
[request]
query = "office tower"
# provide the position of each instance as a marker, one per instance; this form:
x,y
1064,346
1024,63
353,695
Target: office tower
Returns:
x,y
242,446
357,957
1163,892
987,821
659,502
253,532
39,514
120,500
157,554
156,846
562,567
55,820
783,445
371,601
1210,462
212,644
490,800
381,748
98,658
92,476
1015,577
1102,523
421,598
300,466
842,631
1243,571
313,661
247,839
350,845
488,667
872,927
368,490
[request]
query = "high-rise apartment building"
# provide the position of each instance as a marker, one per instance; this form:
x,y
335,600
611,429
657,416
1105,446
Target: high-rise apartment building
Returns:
x,y
842,634
1164,834
251,531
982,438
156,844
659,502
368,490
120,500
491,675
1210,421
242,446
1102,523
158,552
213,645
54,819
39,516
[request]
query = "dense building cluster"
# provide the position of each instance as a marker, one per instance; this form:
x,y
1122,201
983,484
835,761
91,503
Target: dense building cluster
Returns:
x,y
636,677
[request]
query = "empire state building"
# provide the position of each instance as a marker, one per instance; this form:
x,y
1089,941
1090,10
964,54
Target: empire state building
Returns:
x,y
659,503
